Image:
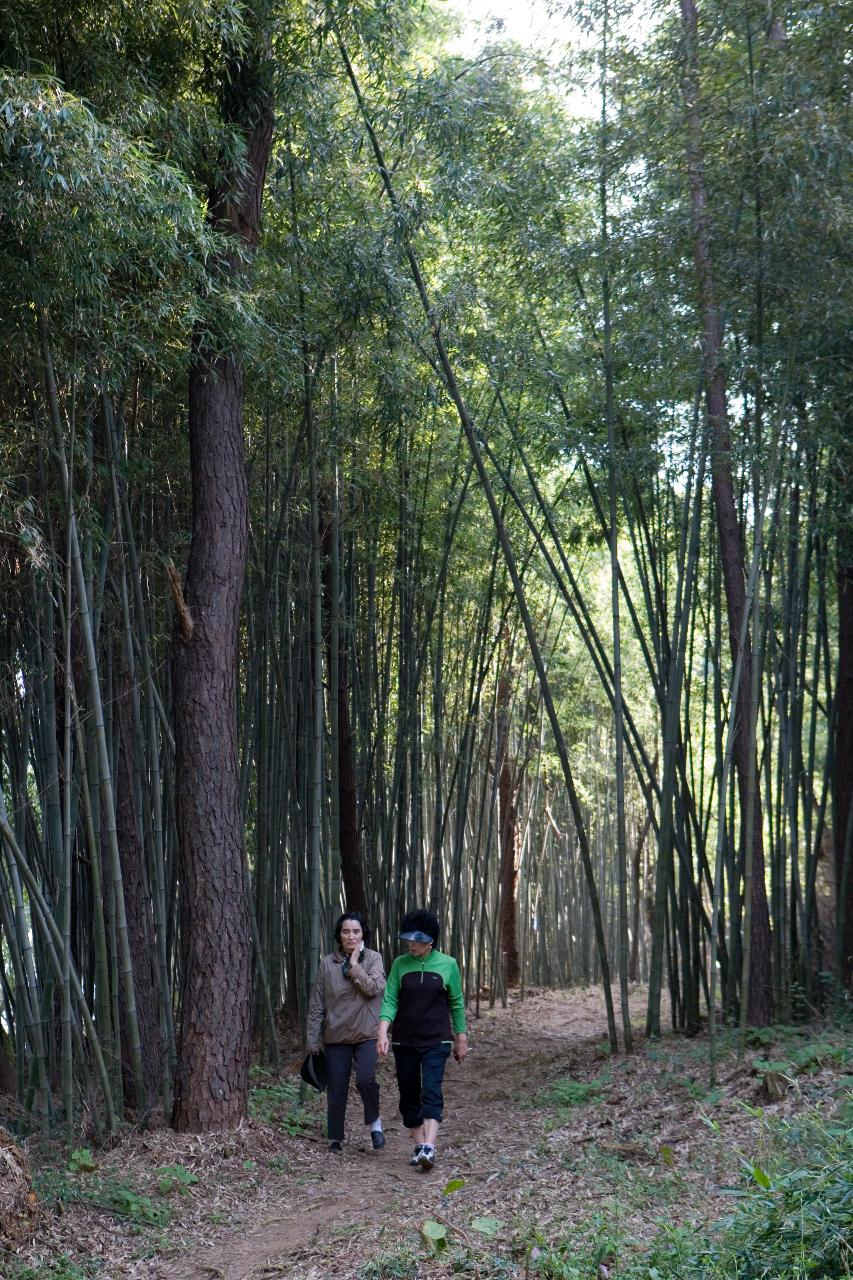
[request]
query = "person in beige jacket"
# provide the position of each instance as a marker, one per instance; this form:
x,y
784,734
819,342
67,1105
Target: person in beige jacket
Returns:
x,y
343,1020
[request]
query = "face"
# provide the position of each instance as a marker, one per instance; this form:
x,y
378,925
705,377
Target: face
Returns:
x,y
352,935
419,949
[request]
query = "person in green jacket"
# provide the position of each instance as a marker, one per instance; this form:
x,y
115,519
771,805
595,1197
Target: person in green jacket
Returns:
x,y
423,1000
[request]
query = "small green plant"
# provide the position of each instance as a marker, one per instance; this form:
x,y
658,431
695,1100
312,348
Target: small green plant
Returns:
x,y
125,1200
81,1160
435,1235
173,1178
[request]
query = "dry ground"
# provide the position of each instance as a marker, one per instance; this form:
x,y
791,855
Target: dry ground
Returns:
x,y
544,1127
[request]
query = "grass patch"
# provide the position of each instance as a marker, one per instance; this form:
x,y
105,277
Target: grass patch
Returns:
x,y
61,1268
404,1263
278,1103
566,1094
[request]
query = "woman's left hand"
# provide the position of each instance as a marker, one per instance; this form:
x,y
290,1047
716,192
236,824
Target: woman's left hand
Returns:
x,y
460,1047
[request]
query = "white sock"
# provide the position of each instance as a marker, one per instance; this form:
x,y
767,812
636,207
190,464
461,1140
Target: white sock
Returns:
x,y
376,1127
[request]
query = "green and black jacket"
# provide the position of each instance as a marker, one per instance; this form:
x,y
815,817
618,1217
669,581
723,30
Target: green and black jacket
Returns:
x,y
423,998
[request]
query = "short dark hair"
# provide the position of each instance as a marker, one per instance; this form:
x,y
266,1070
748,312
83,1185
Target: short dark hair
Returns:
x,y
359,919
421,921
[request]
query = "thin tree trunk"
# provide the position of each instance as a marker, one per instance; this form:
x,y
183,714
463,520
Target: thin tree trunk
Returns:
x,y
760,1009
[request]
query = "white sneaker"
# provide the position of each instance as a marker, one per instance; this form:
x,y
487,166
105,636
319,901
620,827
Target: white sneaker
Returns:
x,y
426,1156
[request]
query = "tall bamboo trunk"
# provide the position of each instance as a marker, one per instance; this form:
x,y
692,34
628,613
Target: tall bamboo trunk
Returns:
x,y
731,555
508,824
137,896
844,766
344,777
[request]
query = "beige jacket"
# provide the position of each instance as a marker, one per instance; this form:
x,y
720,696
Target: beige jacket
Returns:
x,y
345,1010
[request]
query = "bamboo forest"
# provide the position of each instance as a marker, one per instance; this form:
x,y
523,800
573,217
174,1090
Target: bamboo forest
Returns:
x,y
426,482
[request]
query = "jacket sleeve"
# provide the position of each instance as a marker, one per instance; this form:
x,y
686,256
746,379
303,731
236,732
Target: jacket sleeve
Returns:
x,y
456,998
392,994
316,1011
371,978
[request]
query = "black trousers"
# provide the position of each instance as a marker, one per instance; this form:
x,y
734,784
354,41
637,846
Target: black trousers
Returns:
x,y
419,1076
339,1061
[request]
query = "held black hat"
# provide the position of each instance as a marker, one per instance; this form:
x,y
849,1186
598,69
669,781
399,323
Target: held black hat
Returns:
x,y
313,1070
419,926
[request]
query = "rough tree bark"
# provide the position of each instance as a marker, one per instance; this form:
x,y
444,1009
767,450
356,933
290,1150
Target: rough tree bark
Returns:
x,y
213,1055
731,555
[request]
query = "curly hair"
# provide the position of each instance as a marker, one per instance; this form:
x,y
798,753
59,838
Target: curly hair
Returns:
x,y
422,921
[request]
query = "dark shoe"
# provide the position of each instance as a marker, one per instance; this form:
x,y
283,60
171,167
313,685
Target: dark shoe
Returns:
x,y
416,1158
377,1137
426,1156
335,1146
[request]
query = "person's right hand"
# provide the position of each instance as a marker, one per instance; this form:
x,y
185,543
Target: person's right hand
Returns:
x,y
382,1044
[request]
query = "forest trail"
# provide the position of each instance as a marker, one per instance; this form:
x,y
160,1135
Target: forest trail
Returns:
x,y
483,1140
545,1134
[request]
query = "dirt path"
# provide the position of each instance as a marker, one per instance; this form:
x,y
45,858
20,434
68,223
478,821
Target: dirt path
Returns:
x,y
545,1133
363,1198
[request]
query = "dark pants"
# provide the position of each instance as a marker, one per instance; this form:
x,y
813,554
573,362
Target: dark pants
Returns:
x,y
339,1060
419,1076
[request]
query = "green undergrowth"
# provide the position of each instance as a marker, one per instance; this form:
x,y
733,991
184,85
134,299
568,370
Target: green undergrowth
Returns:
x,y
564,1096
61,1268
281,1104
791,1218
82,1184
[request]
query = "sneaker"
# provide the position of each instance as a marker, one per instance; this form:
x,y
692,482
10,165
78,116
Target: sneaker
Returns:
x,y
377,1137
426,1156
416,1158
334,1145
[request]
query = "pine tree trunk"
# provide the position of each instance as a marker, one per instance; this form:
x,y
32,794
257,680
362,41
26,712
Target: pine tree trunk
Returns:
x,y
213,1055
